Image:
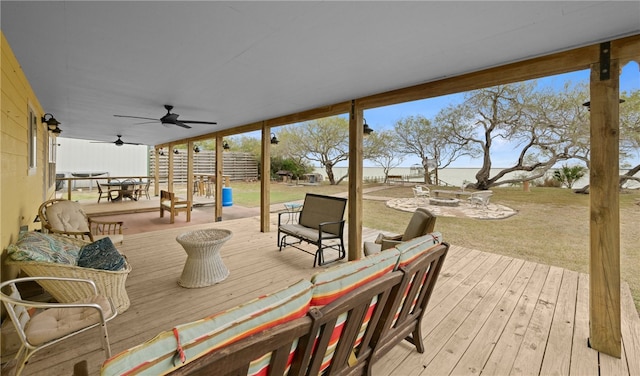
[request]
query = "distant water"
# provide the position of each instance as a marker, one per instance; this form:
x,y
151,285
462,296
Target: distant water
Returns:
x,y
449,176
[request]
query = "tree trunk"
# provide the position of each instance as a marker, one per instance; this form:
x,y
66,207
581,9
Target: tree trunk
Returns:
x,y
329,169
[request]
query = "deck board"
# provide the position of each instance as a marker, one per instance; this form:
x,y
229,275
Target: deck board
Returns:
x,y
488,314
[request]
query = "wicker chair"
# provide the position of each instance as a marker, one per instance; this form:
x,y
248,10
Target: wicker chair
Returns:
x,y
66,217
109,283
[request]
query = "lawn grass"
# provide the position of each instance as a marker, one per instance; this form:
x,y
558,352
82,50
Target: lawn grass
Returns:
x,y
551,227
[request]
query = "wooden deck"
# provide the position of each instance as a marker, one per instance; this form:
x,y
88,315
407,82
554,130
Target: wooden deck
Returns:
x,y
489,314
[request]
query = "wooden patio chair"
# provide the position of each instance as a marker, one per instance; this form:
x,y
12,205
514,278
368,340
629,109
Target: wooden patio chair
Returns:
x,y
169,201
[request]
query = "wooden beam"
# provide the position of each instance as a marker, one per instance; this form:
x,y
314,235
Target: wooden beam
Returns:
x,y
604,289
355,181
625,49
265,180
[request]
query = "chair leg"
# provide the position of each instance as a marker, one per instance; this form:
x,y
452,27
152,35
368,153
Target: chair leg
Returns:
x,y
189,214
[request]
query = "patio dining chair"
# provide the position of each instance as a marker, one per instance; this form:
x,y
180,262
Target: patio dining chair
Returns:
x,y
54,322
143,189
101,192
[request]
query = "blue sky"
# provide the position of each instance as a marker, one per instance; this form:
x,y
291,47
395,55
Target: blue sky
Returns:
x,y
503,155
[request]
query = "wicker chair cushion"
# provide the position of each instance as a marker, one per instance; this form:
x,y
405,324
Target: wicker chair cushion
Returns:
x,y
156,356
101,254
67,216
37,246
54,323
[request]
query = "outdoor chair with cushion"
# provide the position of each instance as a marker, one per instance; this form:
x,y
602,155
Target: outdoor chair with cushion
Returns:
x,y
320,222
40,325
169,201
66,217
422,222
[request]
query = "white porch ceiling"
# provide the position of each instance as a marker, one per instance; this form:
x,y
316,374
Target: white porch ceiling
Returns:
x,y
239,62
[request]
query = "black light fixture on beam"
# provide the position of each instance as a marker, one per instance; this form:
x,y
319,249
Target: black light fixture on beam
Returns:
x,y
52,123
196,149
225,145
587,104
274,139
366,129
176,151
161,152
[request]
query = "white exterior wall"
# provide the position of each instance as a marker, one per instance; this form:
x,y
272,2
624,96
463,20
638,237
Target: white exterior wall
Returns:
x,y
83,156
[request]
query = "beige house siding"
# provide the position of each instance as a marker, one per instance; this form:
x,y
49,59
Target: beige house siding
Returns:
x,y
21,190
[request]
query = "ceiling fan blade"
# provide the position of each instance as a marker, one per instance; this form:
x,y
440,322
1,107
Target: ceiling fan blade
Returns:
x,y
136,117
182,124
131,143
146,122
198,122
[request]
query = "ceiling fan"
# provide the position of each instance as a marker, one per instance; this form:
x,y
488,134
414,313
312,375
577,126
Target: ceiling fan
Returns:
x,y
170,119
117,142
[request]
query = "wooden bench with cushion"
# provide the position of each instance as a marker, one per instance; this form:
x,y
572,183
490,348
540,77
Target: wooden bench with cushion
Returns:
x,y
320,220
338,323
168,201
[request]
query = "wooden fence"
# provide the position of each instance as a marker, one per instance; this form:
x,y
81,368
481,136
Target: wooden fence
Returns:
x,y
237,165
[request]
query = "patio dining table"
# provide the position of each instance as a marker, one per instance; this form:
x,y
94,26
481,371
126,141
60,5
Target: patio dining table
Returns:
x,y
125,189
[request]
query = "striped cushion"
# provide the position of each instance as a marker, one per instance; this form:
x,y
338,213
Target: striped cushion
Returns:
x,y
413,248
156,356
339,280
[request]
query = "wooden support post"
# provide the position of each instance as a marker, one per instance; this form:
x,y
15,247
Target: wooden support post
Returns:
x,y
355,181
156,173
170,169
218,167
265,180
190,172
604,290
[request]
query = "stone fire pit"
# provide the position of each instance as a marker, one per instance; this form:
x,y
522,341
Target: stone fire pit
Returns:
x,y
444,201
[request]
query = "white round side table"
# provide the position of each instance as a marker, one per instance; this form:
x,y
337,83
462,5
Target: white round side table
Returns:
x,y
204,266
